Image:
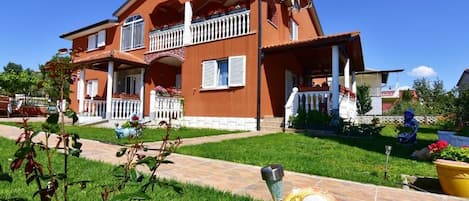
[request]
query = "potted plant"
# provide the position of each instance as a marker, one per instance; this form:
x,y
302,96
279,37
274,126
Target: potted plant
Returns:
x,y
131,128
452,165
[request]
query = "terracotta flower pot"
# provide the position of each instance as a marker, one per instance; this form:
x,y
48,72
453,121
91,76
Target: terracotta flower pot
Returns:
x,y
454,177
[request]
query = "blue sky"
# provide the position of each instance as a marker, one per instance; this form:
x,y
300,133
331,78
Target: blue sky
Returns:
x,y
416,35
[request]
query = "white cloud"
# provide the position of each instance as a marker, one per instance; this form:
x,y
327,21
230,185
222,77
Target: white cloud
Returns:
x,y
423,71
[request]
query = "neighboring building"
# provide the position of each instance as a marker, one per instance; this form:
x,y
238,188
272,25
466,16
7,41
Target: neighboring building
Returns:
x,y
464,79
208,51
375,79
392,97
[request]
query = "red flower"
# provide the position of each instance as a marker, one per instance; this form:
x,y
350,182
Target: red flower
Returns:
x,y
438,146
135,118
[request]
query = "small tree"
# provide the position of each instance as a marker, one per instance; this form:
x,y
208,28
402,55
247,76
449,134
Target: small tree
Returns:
x,y
364,99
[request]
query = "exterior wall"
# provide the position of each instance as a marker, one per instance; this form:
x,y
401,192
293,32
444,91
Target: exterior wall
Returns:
x,y
230,123
273,83
90,74
376,105
231,102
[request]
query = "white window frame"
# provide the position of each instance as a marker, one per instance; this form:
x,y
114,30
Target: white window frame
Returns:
x,y
97,40
92,88
293,30
236,73
132,22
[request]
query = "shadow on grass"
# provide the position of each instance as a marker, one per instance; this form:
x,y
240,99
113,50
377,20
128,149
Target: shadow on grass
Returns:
x,y
377,143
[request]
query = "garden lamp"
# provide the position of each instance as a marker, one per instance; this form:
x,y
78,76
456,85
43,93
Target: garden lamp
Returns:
x,y
272,175
387,149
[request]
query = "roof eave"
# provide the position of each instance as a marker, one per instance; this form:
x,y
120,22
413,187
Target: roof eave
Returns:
x,y
315,19
123,8
90,29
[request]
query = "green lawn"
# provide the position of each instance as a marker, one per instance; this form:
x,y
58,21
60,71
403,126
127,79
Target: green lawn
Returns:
x,y
355,159
100,174
149,135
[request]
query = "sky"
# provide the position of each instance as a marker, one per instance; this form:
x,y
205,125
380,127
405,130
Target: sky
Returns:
x,y
426,38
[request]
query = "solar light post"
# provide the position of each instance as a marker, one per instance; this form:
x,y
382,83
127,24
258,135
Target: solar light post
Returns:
x,y
272,175
387,149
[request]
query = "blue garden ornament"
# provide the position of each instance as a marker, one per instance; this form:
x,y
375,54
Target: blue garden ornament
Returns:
x,y
133,127
413,125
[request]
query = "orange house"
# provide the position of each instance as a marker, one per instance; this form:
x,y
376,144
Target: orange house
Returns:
x,y
228,63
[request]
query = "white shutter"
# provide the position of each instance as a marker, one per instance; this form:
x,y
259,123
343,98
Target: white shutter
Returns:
x,y
89,88
101,38
209,74
237,71
95,88
92,42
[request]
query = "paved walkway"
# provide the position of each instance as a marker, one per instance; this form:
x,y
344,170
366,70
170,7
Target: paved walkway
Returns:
x,y
245,179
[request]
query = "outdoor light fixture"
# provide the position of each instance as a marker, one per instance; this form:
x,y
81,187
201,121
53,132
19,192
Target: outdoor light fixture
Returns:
x,y
387,149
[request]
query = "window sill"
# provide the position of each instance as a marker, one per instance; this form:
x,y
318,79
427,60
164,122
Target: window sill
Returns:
x,y
129,50
220,88
94,49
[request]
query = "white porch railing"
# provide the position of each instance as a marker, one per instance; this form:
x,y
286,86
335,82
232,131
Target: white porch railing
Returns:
x,y
320,101
94,108
123,108
223,27
163,108
166,39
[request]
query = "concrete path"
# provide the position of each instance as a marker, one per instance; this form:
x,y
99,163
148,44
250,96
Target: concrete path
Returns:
x,y
245,179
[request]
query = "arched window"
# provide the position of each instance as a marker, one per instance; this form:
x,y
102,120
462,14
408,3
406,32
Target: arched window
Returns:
x,y
133,33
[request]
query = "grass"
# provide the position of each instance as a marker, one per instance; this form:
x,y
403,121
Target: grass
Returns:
x,y
354,159
99,174
107,135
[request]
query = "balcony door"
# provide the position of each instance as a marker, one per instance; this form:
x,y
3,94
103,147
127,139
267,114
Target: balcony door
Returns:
x,y
132,84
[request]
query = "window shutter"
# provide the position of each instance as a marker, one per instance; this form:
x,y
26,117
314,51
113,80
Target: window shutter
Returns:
x,y
92,42
95,88
237,71
209,74
101,38
89,88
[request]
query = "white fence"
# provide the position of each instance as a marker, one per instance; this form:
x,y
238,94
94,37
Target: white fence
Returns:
x,y
163,108
396,119
223,27
94,108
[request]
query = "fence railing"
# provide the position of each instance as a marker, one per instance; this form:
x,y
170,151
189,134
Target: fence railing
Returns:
x,y
123,108
163,108
120,108
218,28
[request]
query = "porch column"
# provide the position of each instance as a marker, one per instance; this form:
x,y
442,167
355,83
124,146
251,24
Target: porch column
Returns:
x,y
81,91
354,82
187,35
142,90
335,78
110,73
347,74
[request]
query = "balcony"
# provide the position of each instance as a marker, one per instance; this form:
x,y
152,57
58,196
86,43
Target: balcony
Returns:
x,y
217,28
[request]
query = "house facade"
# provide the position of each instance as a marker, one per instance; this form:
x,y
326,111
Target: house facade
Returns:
x,y
227,63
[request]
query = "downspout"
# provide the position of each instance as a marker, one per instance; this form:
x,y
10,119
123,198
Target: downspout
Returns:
x,y
259,63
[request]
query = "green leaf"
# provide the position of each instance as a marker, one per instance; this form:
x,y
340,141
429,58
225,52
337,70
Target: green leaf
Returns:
x,y
21,153
149,161
53,118
75,152
121,152
165,161
5,177
30,179
119,171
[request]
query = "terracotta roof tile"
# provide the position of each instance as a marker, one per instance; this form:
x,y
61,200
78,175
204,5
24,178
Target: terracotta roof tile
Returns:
x,y
324,38
110,55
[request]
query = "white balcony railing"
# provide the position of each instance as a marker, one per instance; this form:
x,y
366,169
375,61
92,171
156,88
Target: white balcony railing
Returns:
x,y
121,108
320,101
166,39
163,108
219,28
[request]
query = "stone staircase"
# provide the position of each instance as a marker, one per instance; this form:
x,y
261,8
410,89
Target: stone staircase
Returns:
x,y
272,124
